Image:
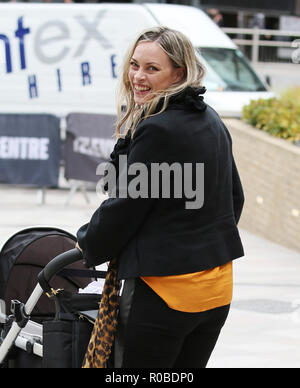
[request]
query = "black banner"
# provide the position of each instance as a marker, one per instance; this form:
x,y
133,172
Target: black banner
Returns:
x,y
90,141
29,149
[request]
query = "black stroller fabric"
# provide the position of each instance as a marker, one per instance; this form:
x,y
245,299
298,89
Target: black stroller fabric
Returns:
x,y
66,330
65,339
65,343
22,258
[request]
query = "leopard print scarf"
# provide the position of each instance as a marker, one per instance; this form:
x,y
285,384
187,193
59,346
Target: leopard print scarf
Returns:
x,y
102,336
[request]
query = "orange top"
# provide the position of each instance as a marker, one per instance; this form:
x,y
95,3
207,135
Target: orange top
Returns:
x,y
195,292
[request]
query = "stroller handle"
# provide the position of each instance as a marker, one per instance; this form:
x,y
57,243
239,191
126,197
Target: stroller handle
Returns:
x,y
56,265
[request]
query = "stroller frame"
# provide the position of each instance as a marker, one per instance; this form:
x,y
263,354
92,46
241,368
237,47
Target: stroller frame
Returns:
x,y
20,317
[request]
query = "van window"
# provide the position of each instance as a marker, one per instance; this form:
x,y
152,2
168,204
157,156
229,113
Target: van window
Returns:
x,y
228,70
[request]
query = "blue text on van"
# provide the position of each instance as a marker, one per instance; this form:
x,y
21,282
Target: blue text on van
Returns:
x,y
21,32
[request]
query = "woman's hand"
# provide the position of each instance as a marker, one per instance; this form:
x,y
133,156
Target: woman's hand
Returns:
x,y
78,247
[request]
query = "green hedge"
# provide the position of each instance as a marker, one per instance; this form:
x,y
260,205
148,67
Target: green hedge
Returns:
x,y
278,116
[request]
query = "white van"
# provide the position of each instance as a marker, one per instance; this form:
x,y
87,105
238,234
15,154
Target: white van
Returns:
x,y
62,58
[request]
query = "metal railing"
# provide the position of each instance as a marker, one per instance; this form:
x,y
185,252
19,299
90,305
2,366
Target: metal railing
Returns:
x,y
289,39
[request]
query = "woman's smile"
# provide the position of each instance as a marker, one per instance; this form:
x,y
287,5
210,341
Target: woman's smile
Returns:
x,y
150,70
141,90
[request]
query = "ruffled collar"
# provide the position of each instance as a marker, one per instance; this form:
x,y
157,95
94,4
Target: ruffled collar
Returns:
x,y
189,98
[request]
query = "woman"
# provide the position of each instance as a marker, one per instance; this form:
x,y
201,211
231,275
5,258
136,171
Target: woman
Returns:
x,y
174,254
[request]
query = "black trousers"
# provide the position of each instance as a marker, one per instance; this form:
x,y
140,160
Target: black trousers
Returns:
x,y
152,335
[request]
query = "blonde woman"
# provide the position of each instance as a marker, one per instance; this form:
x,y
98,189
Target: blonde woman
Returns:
x,y
174,251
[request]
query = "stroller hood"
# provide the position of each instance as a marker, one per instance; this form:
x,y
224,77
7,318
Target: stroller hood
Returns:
x,y
24,255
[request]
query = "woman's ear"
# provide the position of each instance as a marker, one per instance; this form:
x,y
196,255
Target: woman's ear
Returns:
x,y
179,74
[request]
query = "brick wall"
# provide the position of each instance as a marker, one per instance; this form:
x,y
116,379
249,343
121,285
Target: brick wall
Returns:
x,y
270,173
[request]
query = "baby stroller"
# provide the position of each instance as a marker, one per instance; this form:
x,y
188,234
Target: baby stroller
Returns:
x,y
52,329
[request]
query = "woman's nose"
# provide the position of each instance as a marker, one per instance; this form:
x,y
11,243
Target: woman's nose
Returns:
x,y
139,75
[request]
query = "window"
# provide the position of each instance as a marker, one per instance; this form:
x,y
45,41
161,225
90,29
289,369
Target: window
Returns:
x,y
228,70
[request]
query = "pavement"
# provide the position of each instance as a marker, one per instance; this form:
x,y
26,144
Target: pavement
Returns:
x,y
263,326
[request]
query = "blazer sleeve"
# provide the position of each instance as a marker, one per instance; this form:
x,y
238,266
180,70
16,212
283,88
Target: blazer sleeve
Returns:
x,y
237,188
237,192
117,220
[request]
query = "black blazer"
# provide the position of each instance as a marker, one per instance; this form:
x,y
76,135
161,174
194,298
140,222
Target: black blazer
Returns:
x,y
160,236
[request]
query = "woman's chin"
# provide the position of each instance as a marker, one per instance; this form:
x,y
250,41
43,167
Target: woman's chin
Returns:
x,y
140,100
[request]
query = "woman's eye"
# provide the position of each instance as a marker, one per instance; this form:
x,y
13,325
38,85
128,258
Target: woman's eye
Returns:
x,y
133,64
153,68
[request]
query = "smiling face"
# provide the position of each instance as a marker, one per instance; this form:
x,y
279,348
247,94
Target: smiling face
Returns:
x,y
151,70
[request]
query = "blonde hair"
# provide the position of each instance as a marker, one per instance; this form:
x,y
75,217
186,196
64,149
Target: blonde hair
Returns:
x,y
182,55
